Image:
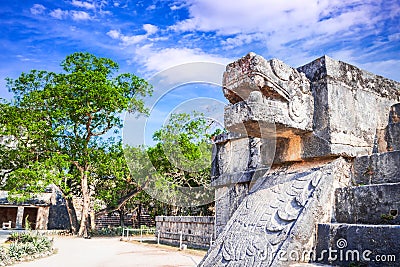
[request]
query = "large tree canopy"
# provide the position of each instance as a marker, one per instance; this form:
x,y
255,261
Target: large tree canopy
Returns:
x,y
61,124
180,168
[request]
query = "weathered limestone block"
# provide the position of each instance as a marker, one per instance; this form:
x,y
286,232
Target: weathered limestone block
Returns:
x,y
392,131
392,136
351,105
324,108
369,204
236,159
357,244
394,115
312,116
232,155
264,92
279,214
227,200
377,168
237,162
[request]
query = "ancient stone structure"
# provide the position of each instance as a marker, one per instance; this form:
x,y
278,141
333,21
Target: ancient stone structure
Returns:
x,y
195,231
47,211
310,165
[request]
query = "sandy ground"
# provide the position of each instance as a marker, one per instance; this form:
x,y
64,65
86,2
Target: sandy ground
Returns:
x,y
104,252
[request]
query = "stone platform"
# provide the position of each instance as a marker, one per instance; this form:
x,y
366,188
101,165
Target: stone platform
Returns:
x,y
312,158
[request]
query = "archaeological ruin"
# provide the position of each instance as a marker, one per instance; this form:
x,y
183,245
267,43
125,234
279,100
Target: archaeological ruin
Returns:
x,y
310,171
46,211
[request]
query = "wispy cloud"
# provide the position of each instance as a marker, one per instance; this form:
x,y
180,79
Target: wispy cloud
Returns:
x,y
295,31
382,67
158,59
151,7
277,22
150,36
23,58
83,4
80,15
127,40
37,9
178,5
59,14
150,29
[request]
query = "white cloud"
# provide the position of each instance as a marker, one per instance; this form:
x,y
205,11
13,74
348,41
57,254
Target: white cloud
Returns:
x,y
102,12
83,4
160,59
23,58
150,29
114,34
37,9
75,15
394,37
241,39
229,17
59,14
177,5
277,23
151,7
127,40
131,40
80,15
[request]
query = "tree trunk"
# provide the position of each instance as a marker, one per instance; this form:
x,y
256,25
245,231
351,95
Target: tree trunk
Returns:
x,y
140,215
121,218
83,229
92,220
73,220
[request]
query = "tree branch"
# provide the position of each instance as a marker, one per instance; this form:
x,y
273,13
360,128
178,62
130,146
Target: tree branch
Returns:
x,y
104,131
121,202
78,166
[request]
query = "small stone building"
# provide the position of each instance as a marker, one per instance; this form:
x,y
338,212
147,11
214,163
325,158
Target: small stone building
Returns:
x,y
45,212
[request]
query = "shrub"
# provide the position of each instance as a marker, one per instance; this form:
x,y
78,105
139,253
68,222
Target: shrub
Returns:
x,y
23,245
4,256
110,231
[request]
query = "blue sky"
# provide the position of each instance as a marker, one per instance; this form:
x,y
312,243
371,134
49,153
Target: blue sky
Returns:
x,y
146,37
149,36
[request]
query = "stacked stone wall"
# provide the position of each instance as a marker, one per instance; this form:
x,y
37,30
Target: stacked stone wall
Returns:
x,y
196,231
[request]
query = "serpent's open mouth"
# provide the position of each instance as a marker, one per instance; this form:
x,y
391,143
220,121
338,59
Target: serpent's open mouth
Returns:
x,y
269,88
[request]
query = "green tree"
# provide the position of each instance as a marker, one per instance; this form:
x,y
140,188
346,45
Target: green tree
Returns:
x,y
115,184
60,122
183,150
181,157
183,154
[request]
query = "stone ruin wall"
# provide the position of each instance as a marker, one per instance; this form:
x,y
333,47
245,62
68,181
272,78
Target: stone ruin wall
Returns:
x,y
319,117
342,122
197,231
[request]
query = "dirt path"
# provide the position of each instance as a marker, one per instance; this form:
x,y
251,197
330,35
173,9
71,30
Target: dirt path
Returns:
x,y
104,252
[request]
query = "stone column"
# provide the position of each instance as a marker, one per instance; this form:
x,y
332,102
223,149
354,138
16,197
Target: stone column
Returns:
x,y
20,217
238,162
42,218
